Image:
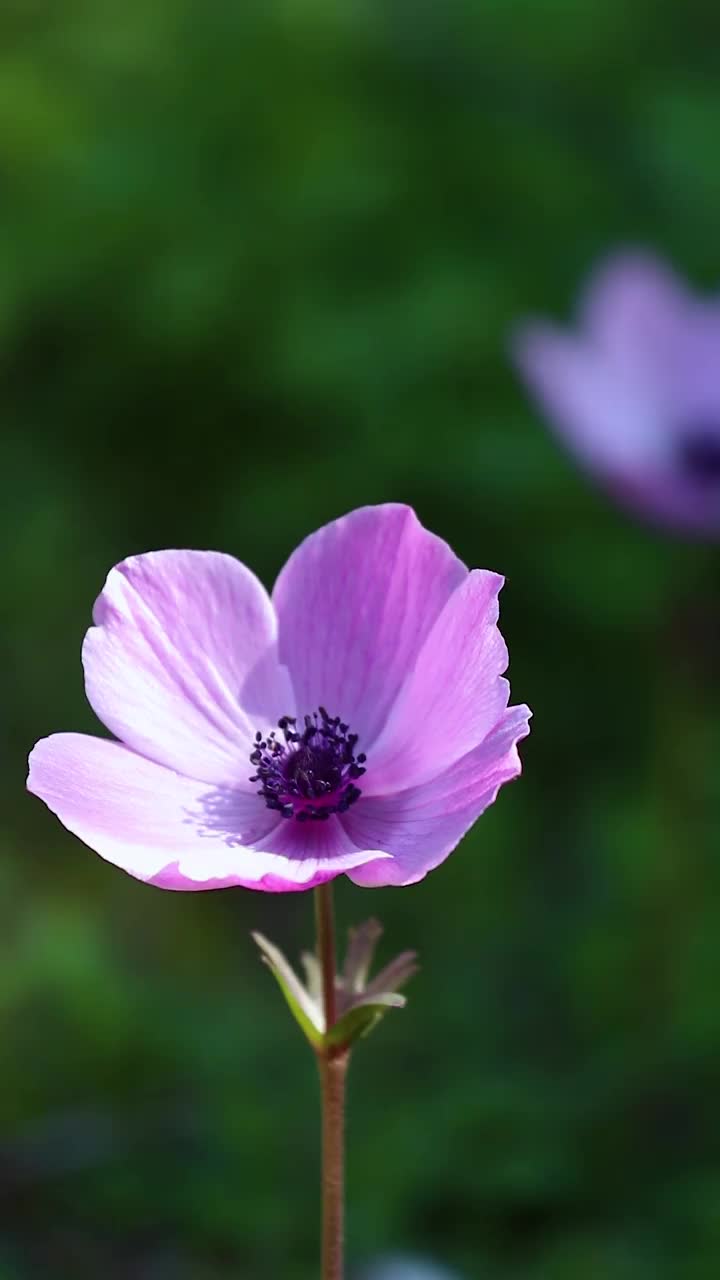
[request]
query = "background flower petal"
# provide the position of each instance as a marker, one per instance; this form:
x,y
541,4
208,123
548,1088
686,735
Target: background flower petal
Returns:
x,y
454,693
355,603
421,826
175,832
611,420
635,309
181,664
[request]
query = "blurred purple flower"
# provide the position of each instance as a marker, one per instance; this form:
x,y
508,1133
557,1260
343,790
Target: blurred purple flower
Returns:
x,y
635,392
233,766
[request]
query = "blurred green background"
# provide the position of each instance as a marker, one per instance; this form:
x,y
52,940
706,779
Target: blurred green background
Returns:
x,y
259,260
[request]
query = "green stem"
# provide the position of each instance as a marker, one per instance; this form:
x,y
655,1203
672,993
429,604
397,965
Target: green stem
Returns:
x,y
333,1072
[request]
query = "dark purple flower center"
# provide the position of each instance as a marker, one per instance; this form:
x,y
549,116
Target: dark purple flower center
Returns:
x,y
700,454
308,773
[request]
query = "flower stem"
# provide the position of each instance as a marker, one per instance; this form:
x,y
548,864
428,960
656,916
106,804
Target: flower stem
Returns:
x,y
333,1065
333,1074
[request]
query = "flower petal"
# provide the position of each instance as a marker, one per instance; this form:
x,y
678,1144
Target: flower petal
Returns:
x,y
421,826
635,309
355,602
181,663
609,420
452,697
309,853
671,500
175,832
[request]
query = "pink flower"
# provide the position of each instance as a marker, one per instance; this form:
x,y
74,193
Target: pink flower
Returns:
x,y
357,721
635,393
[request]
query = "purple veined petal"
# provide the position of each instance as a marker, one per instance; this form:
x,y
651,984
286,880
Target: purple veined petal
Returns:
x,y
421,827
314,852
181,664
453,695
606,418
175,832
355,603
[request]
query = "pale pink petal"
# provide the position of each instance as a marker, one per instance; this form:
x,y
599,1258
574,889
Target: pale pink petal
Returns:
x,y
181,664
453,696
606,417
355,603
421,826
175,832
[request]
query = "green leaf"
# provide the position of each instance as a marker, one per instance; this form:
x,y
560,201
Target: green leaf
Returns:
x,y
313,976
303,1008
361,1018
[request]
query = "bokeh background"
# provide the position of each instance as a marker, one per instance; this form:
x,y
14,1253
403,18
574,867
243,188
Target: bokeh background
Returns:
x,y
259,260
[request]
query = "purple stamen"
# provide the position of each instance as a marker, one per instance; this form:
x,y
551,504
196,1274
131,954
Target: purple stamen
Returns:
x,y
311,773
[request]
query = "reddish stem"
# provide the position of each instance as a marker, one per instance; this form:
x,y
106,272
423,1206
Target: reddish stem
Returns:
x,y
333,1067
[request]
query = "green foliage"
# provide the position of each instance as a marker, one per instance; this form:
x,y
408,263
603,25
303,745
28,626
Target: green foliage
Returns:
x,y
259,261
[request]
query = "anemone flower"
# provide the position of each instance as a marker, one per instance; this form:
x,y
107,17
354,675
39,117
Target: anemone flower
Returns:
x,y
355,722
635,391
